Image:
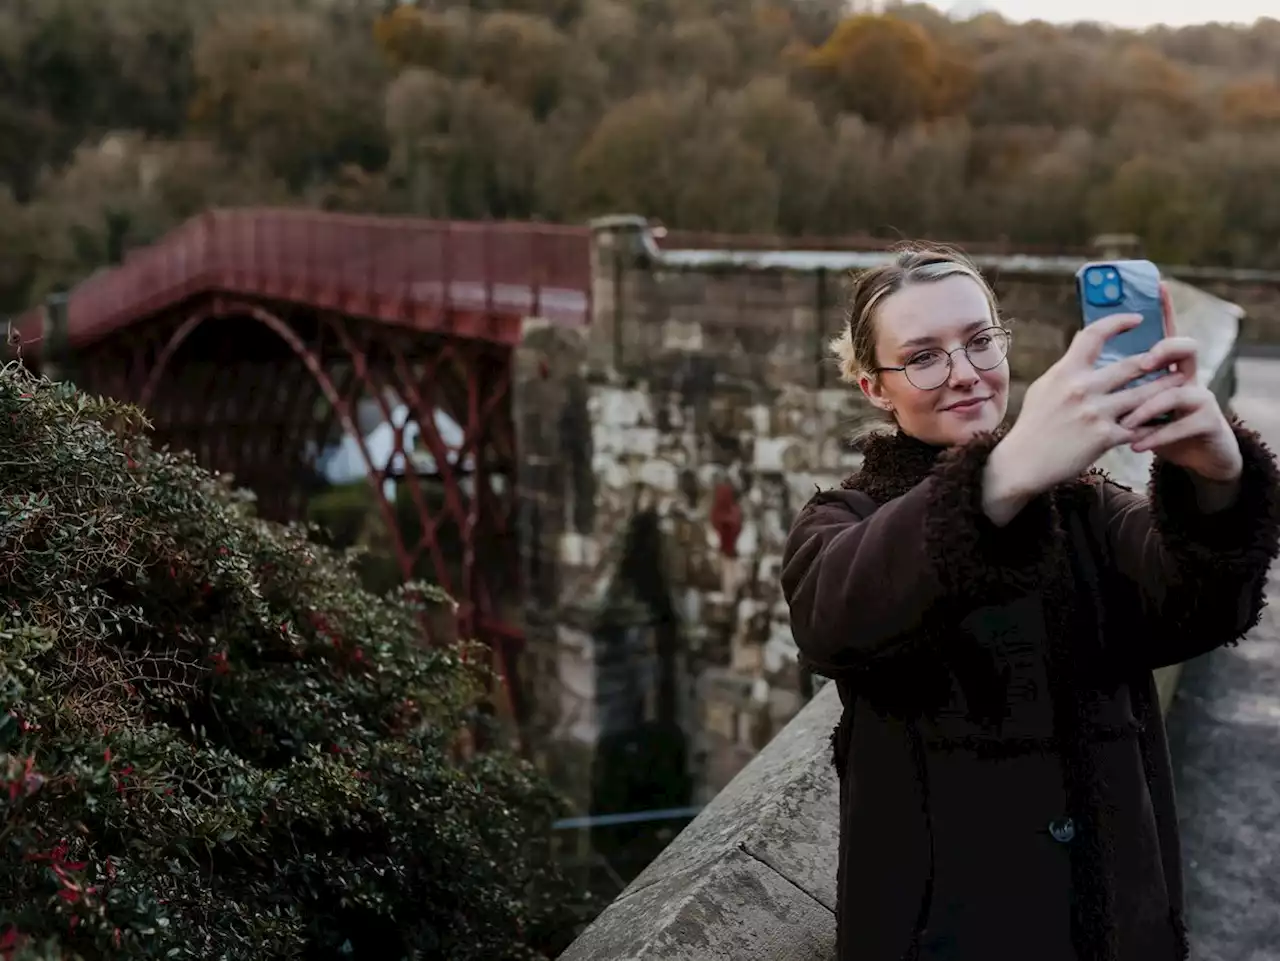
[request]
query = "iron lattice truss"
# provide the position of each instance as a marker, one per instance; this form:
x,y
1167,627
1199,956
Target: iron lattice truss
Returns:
x,y
263,394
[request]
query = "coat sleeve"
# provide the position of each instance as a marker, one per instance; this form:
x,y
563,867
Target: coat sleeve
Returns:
x,y
1197,580
861,580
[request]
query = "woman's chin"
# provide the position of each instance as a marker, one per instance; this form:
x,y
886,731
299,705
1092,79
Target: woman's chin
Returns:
x,y
956,434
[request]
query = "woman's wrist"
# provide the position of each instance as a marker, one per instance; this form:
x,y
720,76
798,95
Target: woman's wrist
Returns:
x,y
1005,488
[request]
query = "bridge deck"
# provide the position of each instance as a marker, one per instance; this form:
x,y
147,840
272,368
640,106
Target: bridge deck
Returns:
x,y
1225,734
451,277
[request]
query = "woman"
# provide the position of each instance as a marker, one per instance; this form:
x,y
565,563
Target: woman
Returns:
x,y
991,611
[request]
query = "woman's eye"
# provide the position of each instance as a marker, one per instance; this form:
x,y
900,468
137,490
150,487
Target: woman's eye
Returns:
x,y
981,342
924,359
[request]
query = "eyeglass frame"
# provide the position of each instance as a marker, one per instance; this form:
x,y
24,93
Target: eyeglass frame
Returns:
x,y
950,353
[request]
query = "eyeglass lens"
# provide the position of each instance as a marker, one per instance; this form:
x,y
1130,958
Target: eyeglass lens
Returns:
x,y
930,369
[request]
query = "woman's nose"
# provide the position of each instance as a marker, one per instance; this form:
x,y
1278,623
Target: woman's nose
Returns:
x,y
963,373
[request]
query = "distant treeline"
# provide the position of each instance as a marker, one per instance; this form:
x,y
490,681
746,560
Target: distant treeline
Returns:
x,y
119,119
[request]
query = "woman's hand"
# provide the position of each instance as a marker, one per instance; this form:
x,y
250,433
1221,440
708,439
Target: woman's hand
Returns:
x,y
1198,438
1071,416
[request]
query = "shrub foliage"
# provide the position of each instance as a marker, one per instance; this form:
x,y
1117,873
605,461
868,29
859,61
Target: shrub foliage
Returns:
x,y
214,743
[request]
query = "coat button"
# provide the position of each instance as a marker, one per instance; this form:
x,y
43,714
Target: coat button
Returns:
x,y
1062,830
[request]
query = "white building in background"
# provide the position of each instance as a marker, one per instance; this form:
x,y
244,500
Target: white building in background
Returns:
x,y
342,463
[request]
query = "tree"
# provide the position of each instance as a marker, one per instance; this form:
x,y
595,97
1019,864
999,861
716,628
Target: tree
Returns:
x,y
607,30
796,146
1238,171
1250,104
858,202
1047,202
1149,79
410,37
700,49
524,56
215,743
889,71
1054,81
262,92
678,158
461,149
124,192
1159,201
17,253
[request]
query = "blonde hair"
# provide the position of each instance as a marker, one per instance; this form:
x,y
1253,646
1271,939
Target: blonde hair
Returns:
x,y
855,346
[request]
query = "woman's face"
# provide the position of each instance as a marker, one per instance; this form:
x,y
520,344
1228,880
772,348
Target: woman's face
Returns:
x,y
913,326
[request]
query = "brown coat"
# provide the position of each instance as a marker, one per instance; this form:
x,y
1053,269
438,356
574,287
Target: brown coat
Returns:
x,y
1005,784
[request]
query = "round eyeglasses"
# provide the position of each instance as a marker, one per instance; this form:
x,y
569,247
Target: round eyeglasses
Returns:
x,y
930,368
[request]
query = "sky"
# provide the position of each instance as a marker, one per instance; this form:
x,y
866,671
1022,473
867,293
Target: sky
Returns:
x,y
1126,13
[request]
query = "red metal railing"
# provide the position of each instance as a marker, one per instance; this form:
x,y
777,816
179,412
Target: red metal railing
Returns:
x,y
466,278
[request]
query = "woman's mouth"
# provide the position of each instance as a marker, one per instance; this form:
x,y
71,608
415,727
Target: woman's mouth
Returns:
x,y
968,404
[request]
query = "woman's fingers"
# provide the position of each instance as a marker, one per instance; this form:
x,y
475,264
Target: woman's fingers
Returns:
x,y
1119,436
1115,375
1178,353
1180,399
1181,353
1087,345
1184,428
1121,402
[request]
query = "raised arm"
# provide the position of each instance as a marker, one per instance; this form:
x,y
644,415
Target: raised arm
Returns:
x,y
861,580
1193,580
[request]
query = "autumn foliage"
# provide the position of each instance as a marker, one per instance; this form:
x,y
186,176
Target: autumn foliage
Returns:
x,y
120,119
889,71
214,743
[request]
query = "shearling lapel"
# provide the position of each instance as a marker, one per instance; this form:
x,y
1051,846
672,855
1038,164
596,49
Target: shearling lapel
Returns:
x,y
892,464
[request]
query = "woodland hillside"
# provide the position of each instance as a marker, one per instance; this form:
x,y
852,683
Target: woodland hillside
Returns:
x,y
119,118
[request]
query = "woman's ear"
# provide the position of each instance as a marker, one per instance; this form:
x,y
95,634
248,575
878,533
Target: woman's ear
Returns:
x,y
874,392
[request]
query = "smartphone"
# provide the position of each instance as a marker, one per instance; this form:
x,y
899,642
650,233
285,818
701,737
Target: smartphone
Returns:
x,y
1124,287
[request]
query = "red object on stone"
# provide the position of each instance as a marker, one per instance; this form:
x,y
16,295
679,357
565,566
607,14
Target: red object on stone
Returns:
x,y
726,518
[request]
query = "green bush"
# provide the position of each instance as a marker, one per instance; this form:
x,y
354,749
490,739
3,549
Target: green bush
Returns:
x,y
214,743
346,516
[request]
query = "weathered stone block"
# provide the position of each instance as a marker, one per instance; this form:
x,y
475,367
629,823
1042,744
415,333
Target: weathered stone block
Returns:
x,y
752,877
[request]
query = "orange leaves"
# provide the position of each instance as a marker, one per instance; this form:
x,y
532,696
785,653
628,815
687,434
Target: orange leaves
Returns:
x,y
1251,103
889,71
409,37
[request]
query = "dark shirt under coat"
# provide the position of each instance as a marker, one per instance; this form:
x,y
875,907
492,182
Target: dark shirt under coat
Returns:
x,y
1005,783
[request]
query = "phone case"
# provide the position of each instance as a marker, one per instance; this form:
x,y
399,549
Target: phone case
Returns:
x,y
1124,287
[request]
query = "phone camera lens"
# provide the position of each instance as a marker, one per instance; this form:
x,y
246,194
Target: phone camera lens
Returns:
x,y
1095,278
1111,292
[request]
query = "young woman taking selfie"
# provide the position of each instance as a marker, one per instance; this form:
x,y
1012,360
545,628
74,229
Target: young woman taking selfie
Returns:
x,y
991,611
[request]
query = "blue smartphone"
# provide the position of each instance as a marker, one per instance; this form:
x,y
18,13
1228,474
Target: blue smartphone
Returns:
x,y
1124,287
